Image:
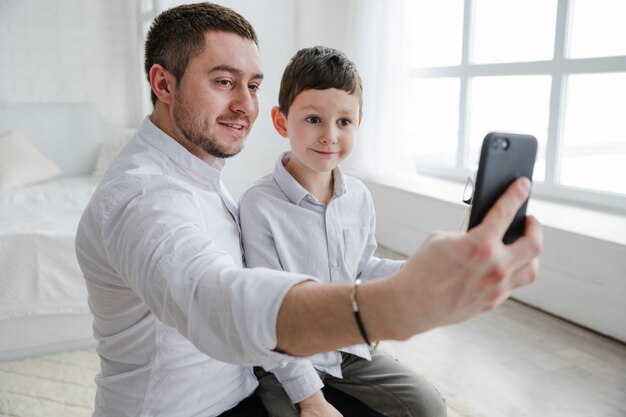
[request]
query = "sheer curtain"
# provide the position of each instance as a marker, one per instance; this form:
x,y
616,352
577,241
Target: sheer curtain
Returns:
x,y
377,44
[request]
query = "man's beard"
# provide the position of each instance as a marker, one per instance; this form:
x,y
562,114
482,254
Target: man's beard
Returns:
x,y
196,132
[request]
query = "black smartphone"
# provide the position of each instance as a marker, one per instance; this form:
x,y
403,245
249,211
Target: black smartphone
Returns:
x,y
503,158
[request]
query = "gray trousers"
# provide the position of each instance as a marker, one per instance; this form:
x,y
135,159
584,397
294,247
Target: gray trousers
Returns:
x,y
383,384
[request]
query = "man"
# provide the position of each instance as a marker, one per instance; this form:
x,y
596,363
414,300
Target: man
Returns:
x,y
178,320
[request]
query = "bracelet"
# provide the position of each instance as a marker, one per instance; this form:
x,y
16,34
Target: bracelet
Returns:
x,y
357,315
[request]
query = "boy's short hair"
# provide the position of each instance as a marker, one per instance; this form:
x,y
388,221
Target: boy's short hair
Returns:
x,y
177,35
318,68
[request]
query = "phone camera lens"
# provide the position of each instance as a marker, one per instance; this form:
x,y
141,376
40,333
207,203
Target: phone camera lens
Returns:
x,y
495,144
505,144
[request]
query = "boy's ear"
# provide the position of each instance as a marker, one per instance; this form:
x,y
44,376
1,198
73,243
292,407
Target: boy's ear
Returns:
x,y
280,121
160,81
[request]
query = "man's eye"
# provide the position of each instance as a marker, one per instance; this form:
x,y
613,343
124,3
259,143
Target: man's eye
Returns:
x,y
254,87
224,83
313,119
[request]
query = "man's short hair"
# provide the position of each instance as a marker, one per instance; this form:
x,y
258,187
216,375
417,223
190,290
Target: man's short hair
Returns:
x,y
177,35
318,68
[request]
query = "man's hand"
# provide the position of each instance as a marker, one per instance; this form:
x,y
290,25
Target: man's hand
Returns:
x,y
455,276
317,406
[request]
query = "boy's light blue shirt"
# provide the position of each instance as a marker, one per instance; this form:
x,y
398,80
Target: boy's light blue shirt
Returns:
x,y
285,227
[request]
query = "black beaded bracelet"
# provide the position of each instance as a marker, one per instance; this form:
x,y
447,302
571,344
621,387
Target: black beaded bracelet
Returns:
x,y
357,315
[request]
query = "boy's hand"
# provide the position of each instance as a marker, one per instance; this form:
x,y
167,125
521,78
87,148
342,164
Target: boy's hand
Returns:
x,y
317,406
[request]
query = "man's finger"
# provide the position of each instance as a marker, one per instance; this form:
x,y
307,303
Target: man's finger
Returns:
x,y
526,250
500,216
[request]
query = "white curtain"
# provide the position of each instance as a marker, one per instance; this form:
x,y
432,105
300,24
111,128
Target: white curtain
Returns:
x,y
377,44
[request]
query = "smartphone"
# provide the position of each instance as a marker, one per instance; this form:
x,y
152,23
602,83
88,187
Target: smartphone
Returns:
x,y
504,157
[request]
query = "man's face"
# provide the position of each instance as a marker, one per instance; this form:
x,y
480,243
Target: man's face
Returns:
x,y
215,103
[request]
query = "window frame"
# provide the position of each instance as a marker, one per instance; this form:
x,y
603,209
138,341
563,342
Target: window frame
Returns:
x,y
558,69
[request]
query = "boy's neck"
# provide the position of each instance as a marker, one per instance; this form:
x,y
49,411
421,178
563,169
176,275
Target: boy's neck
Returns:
x,y
319,184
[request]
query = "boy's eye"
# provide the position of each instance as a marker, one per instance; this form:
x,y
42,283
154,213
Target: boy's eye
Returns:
x,y
313,119
344,122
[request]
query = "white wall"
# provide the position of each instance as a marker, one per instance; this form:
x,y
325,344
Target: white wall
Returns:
x,y
581,277
71,51
86,52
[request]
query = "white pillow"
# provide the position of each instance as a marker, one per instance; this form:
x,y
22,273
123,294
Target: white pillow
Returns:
x,y
109,149
22,164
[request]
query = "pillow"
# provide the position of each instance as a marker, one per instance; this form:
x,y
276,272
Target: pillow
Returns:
x,y
22,164
109,149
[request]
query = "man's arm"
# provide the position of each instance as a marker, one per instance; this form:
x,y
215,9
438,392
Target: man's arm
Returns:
x,y
451,278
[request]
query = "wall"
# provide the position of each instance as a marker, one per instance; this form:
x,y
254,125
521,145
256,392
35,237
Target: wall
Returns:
x,y
581,277
71,51
75,51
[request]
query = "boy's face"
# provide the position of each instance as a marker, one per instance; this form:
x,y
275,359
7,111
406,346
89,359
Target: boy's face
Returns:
x,y
321,128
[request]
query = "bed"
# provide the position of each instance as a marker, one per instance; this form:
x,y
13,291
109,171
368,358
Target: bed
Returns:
x,y
43,299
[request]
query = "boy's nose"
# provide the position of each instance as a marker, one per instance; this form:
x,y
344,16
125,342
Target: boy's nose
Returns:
x,y
329,137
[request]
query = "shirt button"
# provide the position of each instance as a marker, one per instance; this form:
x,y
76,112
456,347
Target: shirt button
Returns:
x,y
335,264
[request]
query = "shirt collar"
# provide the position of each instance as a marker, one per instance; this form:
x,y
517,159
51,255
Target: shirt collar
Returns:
x,y
292,188
177,153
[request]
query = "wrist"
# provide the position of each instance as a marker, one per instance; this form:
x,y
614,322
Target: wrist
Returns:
x,y
383,303
316,398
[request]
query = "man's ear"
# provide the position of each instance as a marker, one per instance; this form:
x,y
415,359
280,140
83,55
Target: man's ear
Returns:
x,y
160,81
280,121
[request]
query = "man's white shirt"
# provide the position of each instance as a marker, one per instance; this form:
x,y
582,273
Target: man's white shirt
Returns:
x,y
177,318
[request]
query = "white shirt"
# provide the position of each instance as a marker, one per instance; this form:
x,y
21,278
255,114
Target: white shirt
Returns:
x,y
175,315
285,227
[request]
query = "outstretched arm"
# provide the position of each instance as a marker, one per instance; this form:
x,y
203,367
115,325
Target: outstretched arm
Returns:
x,y
452,277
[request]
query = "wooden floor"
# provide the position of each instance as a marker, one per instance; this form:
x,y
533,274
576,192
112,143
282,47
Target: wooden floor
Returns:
x,y
517,361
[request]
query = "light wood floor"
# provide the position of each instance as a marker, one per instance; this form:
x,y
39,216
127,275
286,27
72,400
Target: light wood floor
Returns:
x,y
517,361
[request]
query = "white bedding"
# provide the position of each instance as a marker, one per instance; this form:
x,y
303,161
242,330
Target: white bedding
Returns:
x,y
40,274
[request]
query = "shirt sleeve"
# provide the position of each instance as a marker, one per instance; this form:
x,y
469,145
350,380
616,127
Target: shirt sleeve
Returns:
x,y
370,266
156,243
299,380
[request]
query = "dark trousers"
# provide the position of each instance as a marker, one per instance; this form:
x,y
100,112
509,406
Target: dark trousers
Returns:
x,y
250,407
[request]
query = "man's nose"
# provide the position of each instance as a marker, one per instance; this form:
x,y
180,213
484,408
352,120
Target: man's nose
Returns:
x,y
243,102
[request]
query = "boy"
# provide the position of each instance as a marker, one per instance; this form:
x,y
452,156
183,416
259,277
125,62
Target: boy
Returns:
x,y
307,217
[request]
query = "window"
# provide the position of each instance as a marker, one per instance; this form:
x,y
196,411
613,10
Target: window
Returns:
x,y
553,68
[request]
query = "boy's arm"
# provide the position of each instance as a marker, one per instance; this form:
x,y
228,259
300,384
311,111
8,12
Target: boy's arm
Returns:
x,y
370,266
259,248
298,378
